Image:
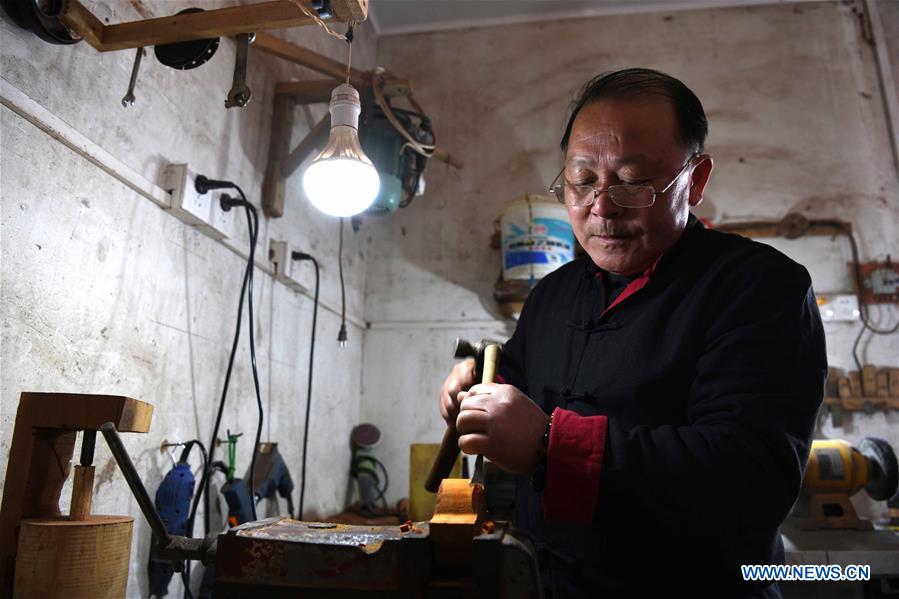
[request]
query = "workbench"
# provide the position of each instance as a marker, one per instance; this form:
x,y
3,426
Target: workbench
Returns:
x,y
878,548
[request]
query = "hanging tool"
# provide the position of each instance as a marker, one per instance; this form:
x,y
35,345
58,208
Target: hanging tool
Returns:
x,y
449,446
237,495
128,100
173,499
272,475
240,93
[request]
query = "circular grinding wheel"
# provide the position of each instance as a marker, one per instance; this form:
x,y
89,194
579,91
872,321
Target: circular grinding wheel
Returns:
x,y
365,435
186,55
42,18
885,481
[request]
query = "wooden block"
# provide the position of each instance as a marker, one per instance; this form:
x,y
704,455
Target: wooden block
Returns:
x,y
831,387
855,383
869,381
894,382
75,560
40,454
882,382
843,385
82,493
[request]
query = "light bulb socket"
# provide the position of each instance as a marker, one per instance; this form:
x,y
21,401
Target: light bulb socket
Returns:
x,y
345,106
341,336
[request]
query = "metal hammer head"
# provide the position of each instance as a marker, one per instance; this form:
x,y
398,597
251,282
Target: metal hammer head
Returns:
x,y
465,349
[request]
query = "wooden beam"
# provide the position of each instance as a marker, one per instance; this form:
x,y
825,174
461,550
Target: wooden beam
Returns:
x,y
317,136
82,21
307,92
221,22
310,92
276,46
279,143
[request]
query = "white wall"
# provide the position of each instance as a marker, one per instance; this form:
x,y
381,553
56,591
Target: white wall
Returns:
x,y
796,124
104,292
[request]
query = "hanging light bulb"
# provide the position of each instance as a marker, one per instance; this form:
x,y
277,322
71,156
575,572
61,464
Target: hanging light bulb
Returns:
x,y
342,181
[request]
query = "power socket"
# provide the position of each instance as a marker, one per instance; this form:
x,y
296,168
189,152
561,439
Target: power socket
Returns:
x,y
191,207
838,308
280,254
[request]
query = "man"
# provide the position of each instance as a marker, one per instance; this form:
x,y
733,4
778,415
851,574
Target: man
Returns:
x,y
682,369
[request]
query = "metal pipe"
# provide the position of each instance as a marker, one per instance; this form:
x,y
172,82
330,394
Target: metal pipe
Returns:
x,y
88,442
137,487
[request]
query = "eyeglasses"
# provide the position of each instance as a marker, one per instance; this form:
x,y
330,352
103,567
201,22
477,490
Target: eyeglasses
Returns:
x,y
624,195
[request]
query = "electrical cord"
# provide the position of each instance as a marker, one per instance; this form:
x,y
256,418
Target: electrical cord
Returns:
x,y
341,335
204,185
304,256
846,229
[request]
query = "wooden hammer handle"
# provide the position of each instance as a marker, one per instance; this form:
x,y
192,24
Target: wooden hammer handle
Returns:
x,y
449,446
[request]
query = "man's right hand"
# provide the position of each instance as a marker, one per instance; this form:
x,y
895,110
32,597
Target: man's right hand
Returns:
x,y
460,379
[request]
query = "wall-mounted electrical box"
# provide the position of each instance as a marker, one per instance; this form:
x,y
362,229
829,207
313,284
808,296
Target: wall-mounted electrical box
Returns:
x,y
202,211
880,281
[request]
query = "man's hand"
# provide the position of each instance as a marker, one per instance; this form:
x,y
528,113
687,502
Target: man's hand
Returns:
x,y
502,423
460,379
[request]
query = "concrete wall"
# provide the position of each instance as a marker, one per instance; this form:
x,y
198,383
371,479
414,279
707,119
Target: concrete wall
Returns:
x,y
796,124
104,292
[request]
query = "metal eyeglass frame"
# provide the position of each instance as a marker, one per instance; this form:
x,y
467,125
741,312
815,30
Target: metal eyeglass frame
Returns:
x,y
596,192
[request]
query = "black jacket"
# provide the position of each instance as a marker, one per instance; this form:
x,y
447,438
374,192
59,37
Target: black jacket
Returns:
x,y
711,377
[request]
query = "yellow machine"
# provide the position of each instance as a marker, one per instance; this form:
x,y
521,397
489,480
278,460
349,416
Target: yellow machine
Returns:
x,y
836,471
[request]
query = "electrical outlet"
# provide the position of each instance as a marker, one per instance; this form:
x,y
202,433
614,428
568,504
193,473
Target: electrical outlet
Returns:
x,y
280,253
189,206
838,308
222,221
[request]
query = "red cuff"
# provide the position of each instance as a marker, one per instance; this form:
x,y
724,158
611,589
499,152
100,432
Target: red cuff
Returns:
x,y
573,464
500,379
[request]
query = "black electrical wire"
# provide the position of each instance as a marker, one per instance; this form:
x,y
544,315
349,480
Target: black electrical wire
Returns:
x,y
341,335
203,491
253,216
304,256
859,288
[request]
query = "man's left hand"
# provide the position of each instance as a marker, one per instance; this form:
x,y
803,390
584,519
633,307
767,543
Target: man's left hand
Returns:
x,y
503,424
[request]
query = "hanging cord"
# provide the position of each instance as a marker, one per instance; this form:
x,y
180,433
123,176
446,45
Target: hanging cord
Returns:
x,y
253,228
318,21
862,306
349,44
185,573
341,336
423,149
304,256
253,215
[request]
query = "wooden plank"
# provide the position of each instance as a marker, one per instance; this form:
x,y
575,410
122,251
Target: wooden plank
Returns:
x,y
310,92
307,92
882,382
831,388
894,382
82,21
843,385
281,48
869,380
316,137
855,383
273,190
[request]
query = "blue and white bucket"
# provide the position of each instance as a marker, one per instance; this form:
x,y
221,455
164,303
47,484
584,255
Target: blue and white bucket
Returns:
x,y
536,238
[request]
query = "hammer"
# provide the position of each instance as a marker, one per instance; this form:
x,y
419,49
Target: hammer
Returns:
x,y
449,447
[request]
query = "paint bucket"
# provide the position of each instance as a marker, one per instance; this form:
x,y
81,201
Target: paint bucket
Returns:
x,y
536,238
